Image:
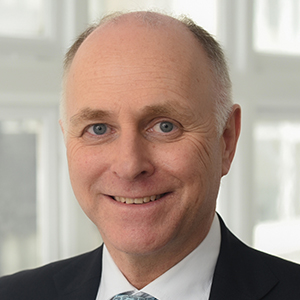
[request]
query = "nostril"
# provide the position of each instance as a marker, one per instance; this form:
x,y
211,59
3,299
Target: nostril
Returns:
x,y
132,164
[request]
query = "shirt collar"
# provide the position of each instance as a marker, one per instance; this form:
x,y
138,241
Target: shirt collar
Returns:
x,y
198,268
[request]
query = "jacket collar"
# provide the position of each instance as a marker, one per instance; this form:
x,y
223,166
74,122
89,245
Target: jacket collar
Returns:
x,y
240,271
80,278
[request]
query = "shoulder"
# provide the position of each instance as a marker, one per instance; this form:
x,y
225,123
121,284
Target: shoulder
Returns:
x,y
255,272
281,268
285,275
41,283
287,272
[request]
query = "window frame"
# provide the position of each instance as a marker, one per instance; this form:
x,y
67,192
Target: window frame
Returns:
x,y
49,46
47,181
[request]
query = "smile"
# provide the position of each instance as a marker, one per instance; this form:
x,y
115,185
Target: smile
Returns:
x,y
137,200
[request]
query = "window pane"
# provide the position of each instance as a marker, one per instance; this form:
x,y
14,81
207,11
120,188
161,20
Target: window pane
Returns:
x,y
18,205
277,26
23,18
97,8
277,189
203,12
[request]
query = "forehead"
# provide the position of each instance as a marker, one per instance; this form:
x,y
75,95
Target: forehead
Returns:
x,y
130,59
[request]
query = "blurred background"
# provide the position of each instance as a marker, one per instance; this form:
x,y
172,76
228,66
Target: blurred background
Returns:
x,y
40,220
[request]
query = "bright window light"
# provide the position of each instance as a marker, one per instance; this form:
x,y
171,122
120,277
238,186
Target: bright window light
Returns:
x,y
277,191
277,26
23,18
203,12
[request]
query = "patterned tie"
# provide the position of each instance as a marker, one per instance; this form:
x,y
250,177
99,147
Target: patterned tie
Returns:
x,y
137,296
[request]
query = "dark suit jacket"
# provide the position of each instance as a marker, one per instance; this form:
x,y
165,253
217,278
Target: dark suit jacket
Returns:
x,y
241,274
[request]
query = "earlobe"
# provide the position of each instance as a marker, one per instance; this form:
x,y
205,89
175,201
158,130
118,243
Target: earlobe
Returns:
x,y
230,137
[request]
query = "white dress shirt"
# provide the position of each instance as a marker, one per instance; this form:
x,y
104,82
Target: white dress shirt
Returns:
x,y
190,279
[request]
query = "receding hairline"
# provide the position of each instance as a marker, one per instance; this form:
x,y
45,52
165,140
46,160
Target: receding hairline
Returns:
x,y
211,48
146,18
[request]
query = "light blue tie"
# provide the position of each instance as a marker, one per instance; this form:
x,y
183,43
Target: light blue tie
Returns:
x,y
137,296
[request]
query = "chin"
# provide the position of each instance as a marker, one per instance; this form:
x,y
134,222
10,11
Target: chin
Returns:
x,y
135,243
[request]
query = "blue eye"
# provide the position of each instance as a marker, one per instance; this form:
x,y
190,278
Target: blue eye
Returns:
x,y
166,126
99,129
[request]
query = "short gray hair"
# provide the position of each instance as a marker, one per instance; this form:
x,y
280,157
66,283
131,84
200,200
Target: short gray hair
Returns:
x,y
213,50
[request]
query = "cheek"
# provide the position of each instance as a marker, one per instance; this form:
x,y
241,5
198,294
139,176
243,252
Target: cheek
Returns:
x,y
208,155
85,169
85,165
188,158
197,166
78,158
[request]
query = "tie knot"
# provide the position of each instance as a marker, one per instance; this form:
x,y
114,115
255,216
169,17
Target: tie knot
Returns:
x,y
138,296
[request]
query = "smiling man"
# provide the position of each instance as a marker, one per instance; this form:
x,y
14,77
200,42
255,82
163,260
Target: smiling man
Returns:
x,y
144,151
150,130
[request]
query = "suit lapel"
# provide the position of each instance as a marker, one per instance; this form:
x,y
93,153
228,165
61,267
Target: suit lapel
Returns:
x,y
240,272
80,279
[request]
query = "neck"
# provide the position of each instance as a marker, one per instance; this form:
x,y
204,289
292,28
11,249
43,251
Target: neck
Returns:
x,y
142,269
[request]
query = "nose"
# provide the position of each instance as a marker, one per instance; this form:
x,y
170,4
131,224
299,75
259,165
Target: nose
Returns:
x,y
132,160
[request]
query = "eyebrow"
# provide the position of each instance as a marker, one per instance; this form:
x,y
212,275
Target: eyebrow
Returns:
x,y
168,109
165,109
88,114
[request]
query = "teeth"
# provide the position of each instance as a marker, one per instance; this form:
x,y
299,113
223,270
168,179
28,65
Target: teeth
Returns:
x,y
137,200
152,198
146,199
129,200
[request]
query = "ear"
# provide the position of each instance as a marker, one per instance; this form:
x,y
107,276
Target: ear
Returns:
x,y
62,128
230,137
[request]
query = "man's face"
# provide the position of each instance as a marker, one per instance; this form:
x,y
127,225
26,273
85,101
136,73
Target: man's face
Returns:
x,y
144,157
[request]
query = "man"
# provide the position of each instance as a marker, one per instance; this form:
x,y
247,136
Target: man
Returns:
x,y
150,129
